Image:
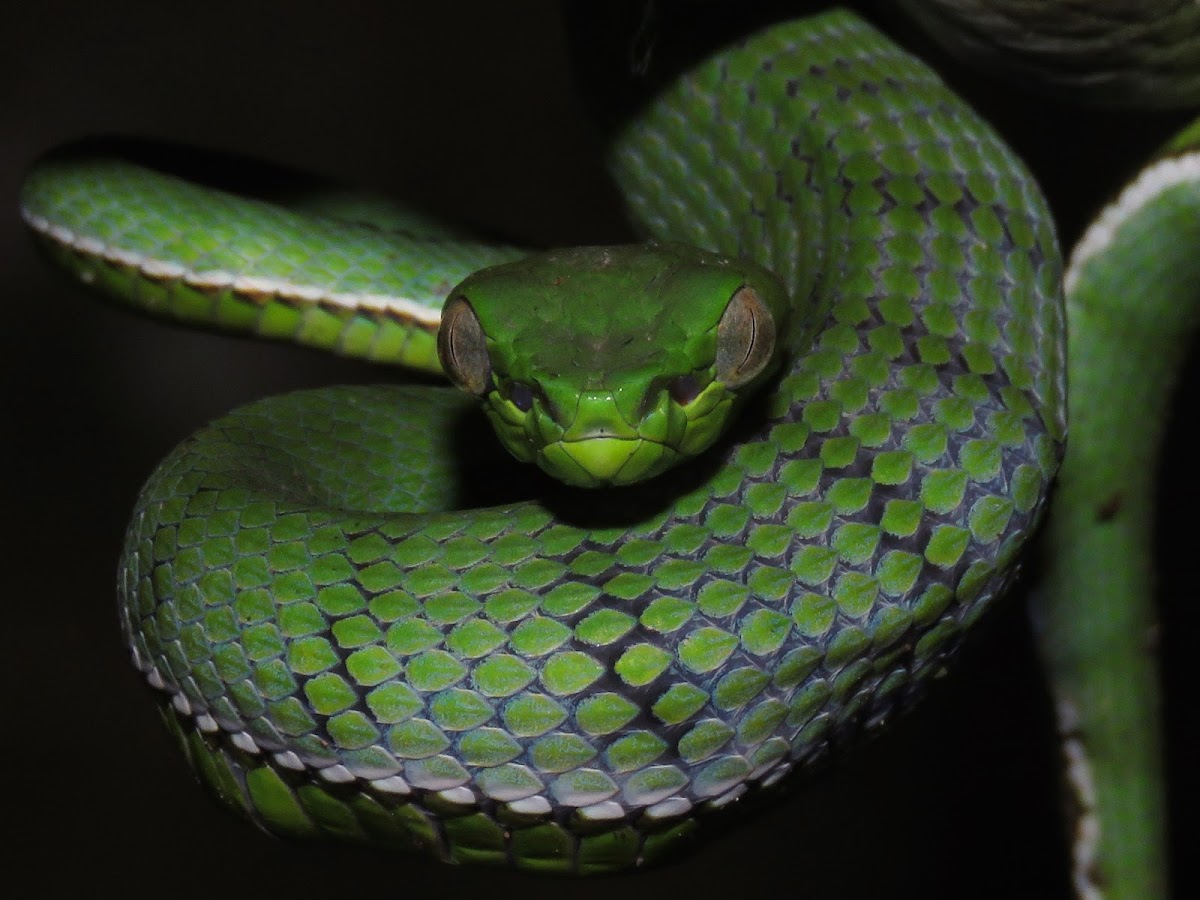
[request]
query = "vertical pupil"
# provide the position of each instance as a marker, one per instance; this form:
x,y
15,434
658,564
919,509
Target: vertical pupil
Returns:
x,y
520,396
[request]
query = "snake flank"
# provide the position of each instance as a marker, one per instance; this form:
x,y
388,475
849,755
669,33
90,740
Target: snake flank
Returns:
x,y
1150,183
252,289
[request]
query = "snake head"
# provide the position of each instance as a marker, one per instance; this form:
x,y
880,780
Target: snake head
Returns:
x,y
609,365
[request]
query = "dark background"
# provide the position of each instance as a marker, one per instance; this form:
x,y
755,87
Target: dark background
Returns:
x,y
467,107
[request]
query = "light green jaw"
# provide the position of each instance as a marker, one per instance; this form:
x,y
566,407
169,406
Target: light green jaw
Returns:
x,y
610,365
603,460
610,452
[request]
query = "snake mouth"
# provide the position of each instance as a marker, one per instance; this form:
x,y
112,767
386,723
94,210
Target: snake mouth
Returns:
x,y
603,461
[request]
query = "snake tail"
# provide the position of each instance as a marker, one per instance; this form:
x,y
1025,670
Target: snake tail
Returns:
x,y
1133,295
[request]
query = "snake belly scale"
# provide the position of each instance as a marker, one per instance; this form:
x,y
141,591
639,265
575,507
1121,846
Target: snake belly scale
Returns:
x,y
568,684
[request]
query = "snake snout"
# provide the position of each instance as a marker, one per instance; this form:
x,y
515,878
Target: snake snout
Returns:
x,y
597,417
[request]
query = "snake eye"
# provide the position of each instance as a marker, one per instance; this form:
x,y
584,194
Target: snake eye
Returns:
x,y
683,389
462,348
745,338
519,395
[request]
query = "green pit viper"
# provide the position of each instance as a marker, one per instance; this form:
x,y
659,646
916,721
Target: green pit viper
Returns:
x,y
799,442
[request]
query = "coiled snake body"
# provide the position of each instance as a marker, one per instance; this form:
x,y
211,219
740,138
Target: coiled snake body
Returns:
x,y
569,683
